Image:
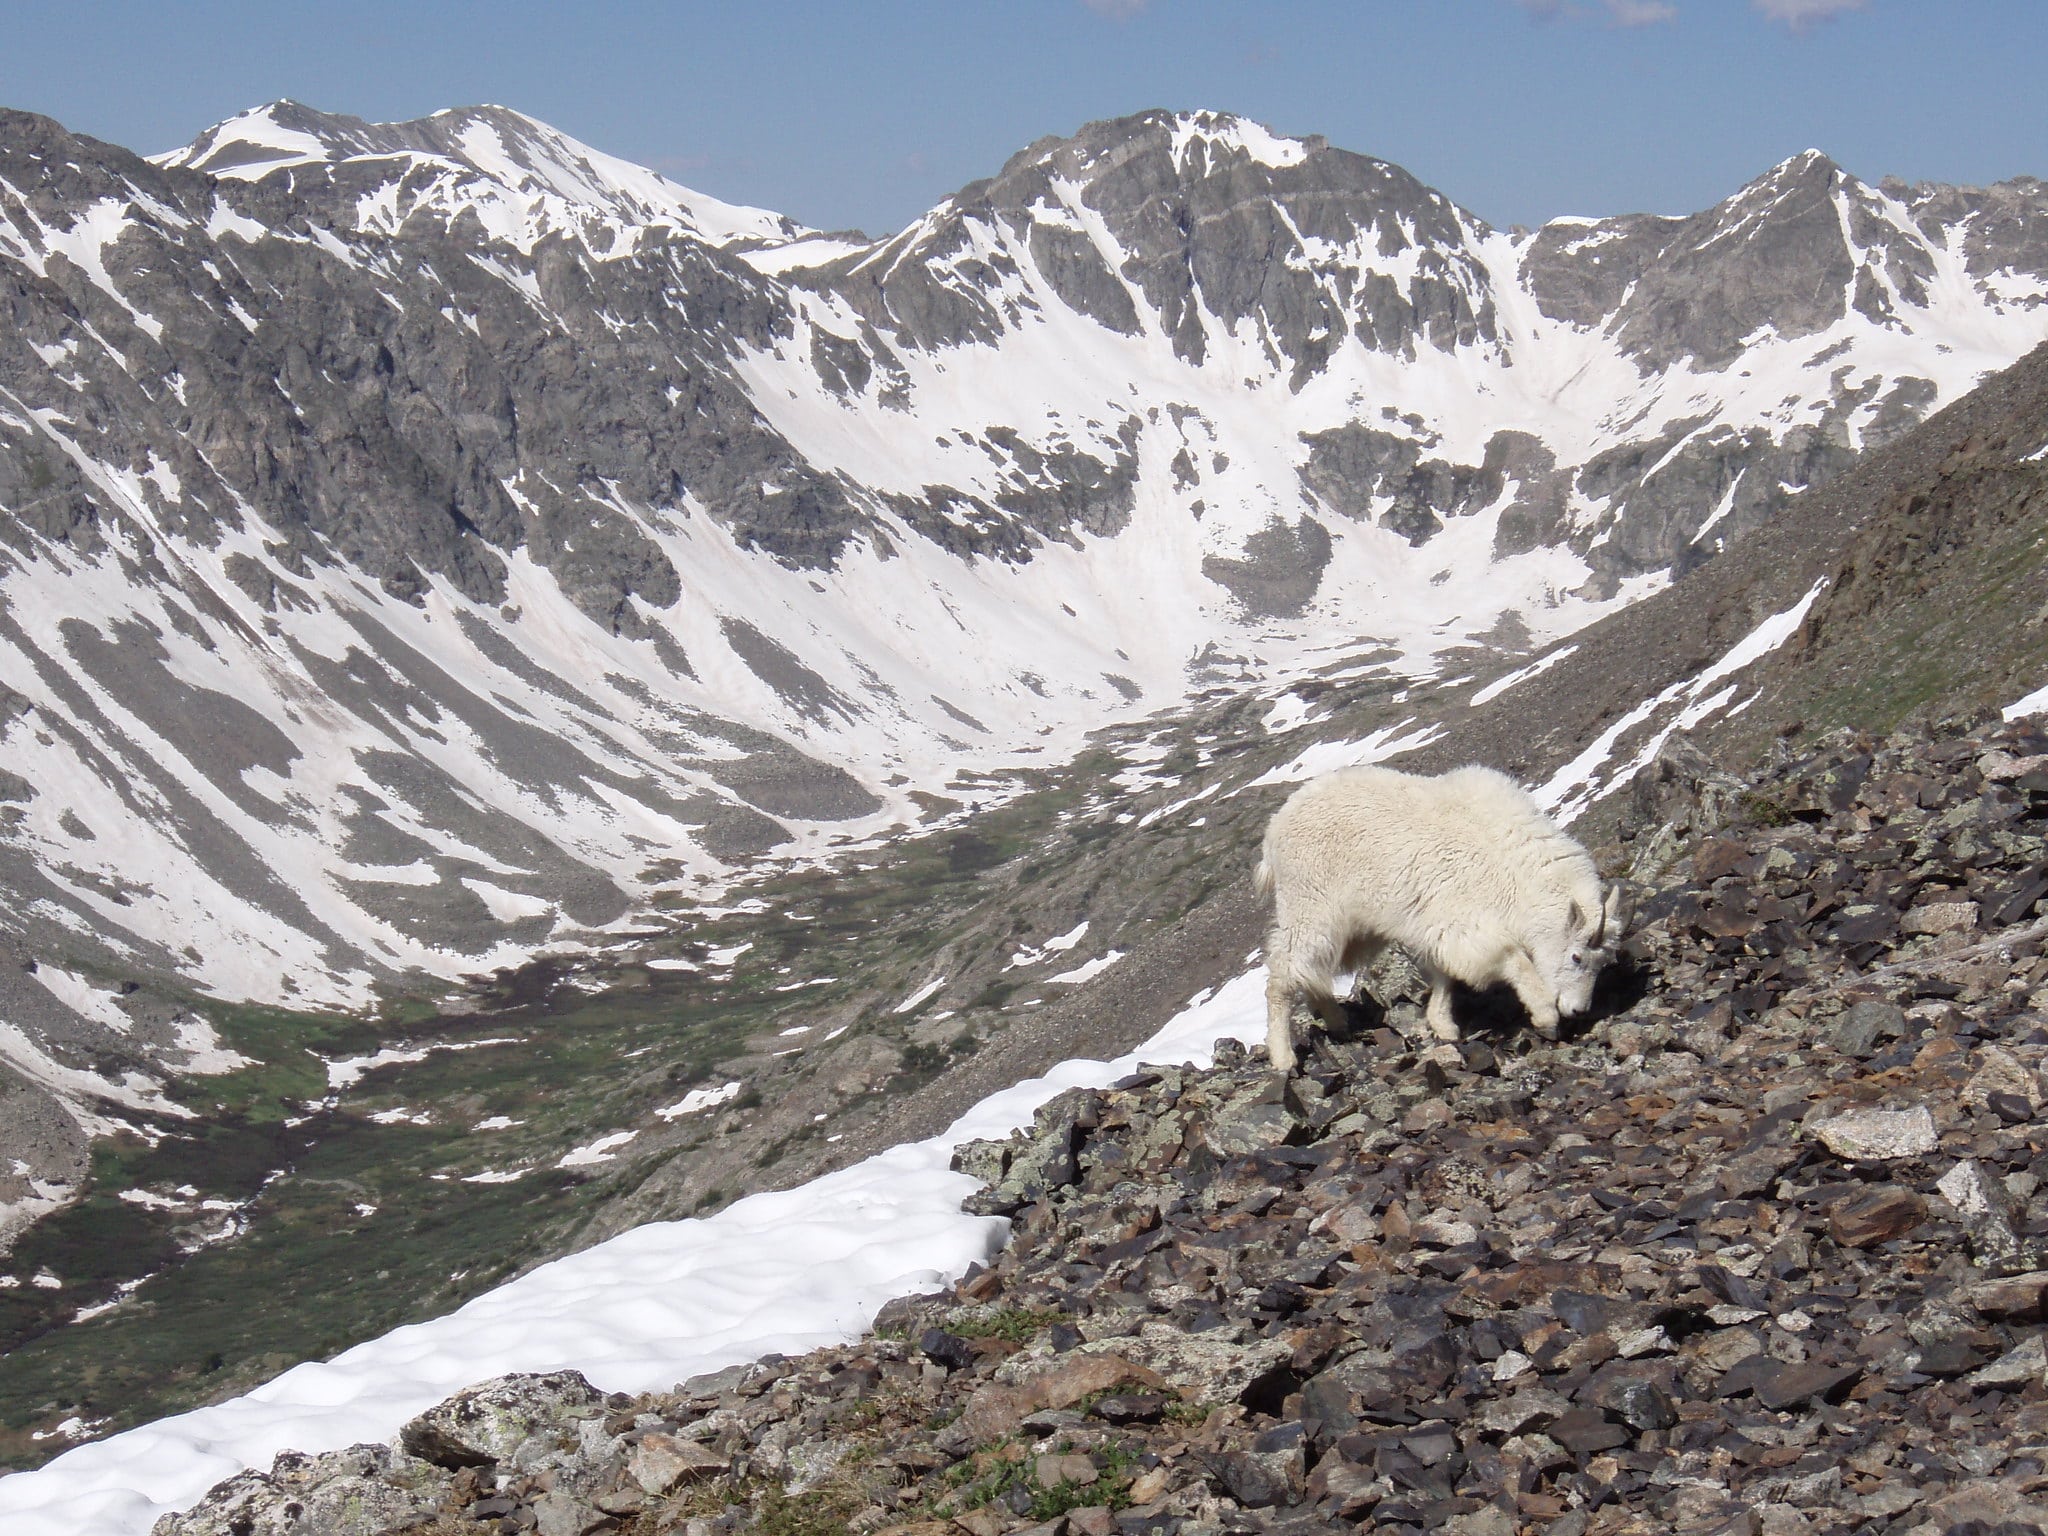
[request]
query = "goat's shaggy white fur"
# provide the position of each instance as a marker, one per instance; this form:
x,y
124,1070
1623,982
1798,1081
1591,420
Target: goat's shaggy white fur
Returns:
x,y
1463,871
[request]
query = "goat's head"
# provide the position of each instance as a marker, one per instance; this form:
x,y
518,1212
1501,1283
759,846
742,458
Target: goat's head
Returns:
x,y
1589,945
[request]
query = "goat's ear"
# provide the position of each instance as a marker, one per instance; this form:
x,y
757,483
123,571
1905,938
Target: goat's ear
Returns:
x,y
1579,920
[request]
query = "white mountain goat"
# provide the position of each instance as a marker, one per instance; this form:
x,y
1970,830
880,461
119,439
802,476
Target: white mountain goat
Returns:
x,y
1462,871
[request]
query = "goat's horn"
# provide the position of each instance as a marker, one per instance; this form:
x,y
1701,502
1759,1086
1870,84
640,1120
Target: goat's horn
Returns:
x,y
1611,913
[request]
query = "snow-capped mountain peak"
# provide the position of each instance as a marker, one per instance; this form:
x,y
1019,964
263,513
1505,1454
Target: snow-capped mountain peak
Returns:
x,y
490,155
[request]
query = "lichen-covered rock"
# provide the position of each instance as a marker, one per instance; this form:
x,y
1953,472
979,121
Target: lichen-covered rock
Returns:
x,y
1202,1367
518,1418
360,1491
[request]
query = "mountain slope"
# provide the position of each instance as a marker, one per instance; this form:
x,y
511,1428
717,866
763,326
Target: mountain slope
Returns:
x,y
833,1012
430,545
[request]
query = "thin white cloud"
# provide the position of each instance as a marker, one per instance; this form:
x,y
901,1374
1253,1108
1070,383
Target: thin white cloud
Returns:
x,y
1803,15
1618,13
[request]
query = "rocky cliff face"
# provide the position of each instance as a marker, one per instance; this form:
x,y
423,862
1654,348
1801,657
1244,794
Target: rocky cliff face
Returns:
x,y
422,544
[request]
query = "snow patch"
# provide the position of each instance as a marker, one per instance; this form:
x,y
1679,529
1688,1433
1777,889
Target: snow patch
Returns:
x,y
1501,685
1580,783
598,1151
700,1099
345,1072
1326,756
923,994
1089,969
2033,704
84,998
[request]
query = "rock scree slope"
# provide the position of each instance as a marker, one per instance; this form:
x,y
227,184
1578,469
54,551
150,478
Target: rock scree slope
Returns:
x,y
1762,1250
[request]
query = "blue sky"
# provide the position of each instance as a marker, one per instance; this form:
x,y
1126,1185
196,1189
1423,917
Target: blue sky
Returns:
x,y
863,113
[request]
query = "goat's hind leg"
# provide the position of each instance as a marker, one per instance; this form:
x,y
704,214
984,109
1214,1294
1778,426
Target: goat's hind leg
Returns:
x,y
1281,990
1290,974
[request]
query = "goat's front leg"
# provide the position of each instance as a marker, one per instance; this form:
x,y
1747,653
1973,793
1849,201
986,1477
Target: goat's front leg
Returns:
x,y
1438,1013
1534,992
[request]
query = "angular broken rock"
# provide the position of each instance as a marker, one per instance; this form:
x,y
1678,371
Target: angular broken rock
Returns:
x,y
1640,1404
488,1422
660,1463
1269,1472
997,1408
1988,1505
1042,1165
1941,917
2027,1362
2014,1299
1878,1135
1201,1368
1348,1484
946,1349
1584,1431
1530,1408
1884,1213
1981,1205
1857,1031
1242,1128
1149,1485
559,1514
1444,1232
1071,1468
1349,1223
1130,1408
1790,1385
2000,1072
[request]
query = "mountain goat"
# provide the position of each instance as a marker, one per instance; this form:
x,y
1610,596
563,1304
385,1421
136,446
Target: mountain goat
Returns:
x,y
1462,871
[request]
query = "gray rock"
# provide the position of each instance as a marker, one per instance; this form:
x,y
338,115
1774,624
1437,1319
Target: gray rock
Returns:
x,y
1202,1367
1270,1471
659,1463
560,1514
1529,1408
507,1419
1878,1135
1860,1026
1244,1127
361,1491
2025,1362
1982,1206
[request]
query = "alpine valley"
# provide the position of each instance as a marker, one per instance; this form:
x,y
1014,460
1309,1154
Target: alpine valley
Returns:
x,y
534,700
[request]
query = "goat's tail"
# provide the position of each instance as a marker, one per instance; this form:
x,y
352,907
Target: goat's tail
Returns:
x,y
1262,877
